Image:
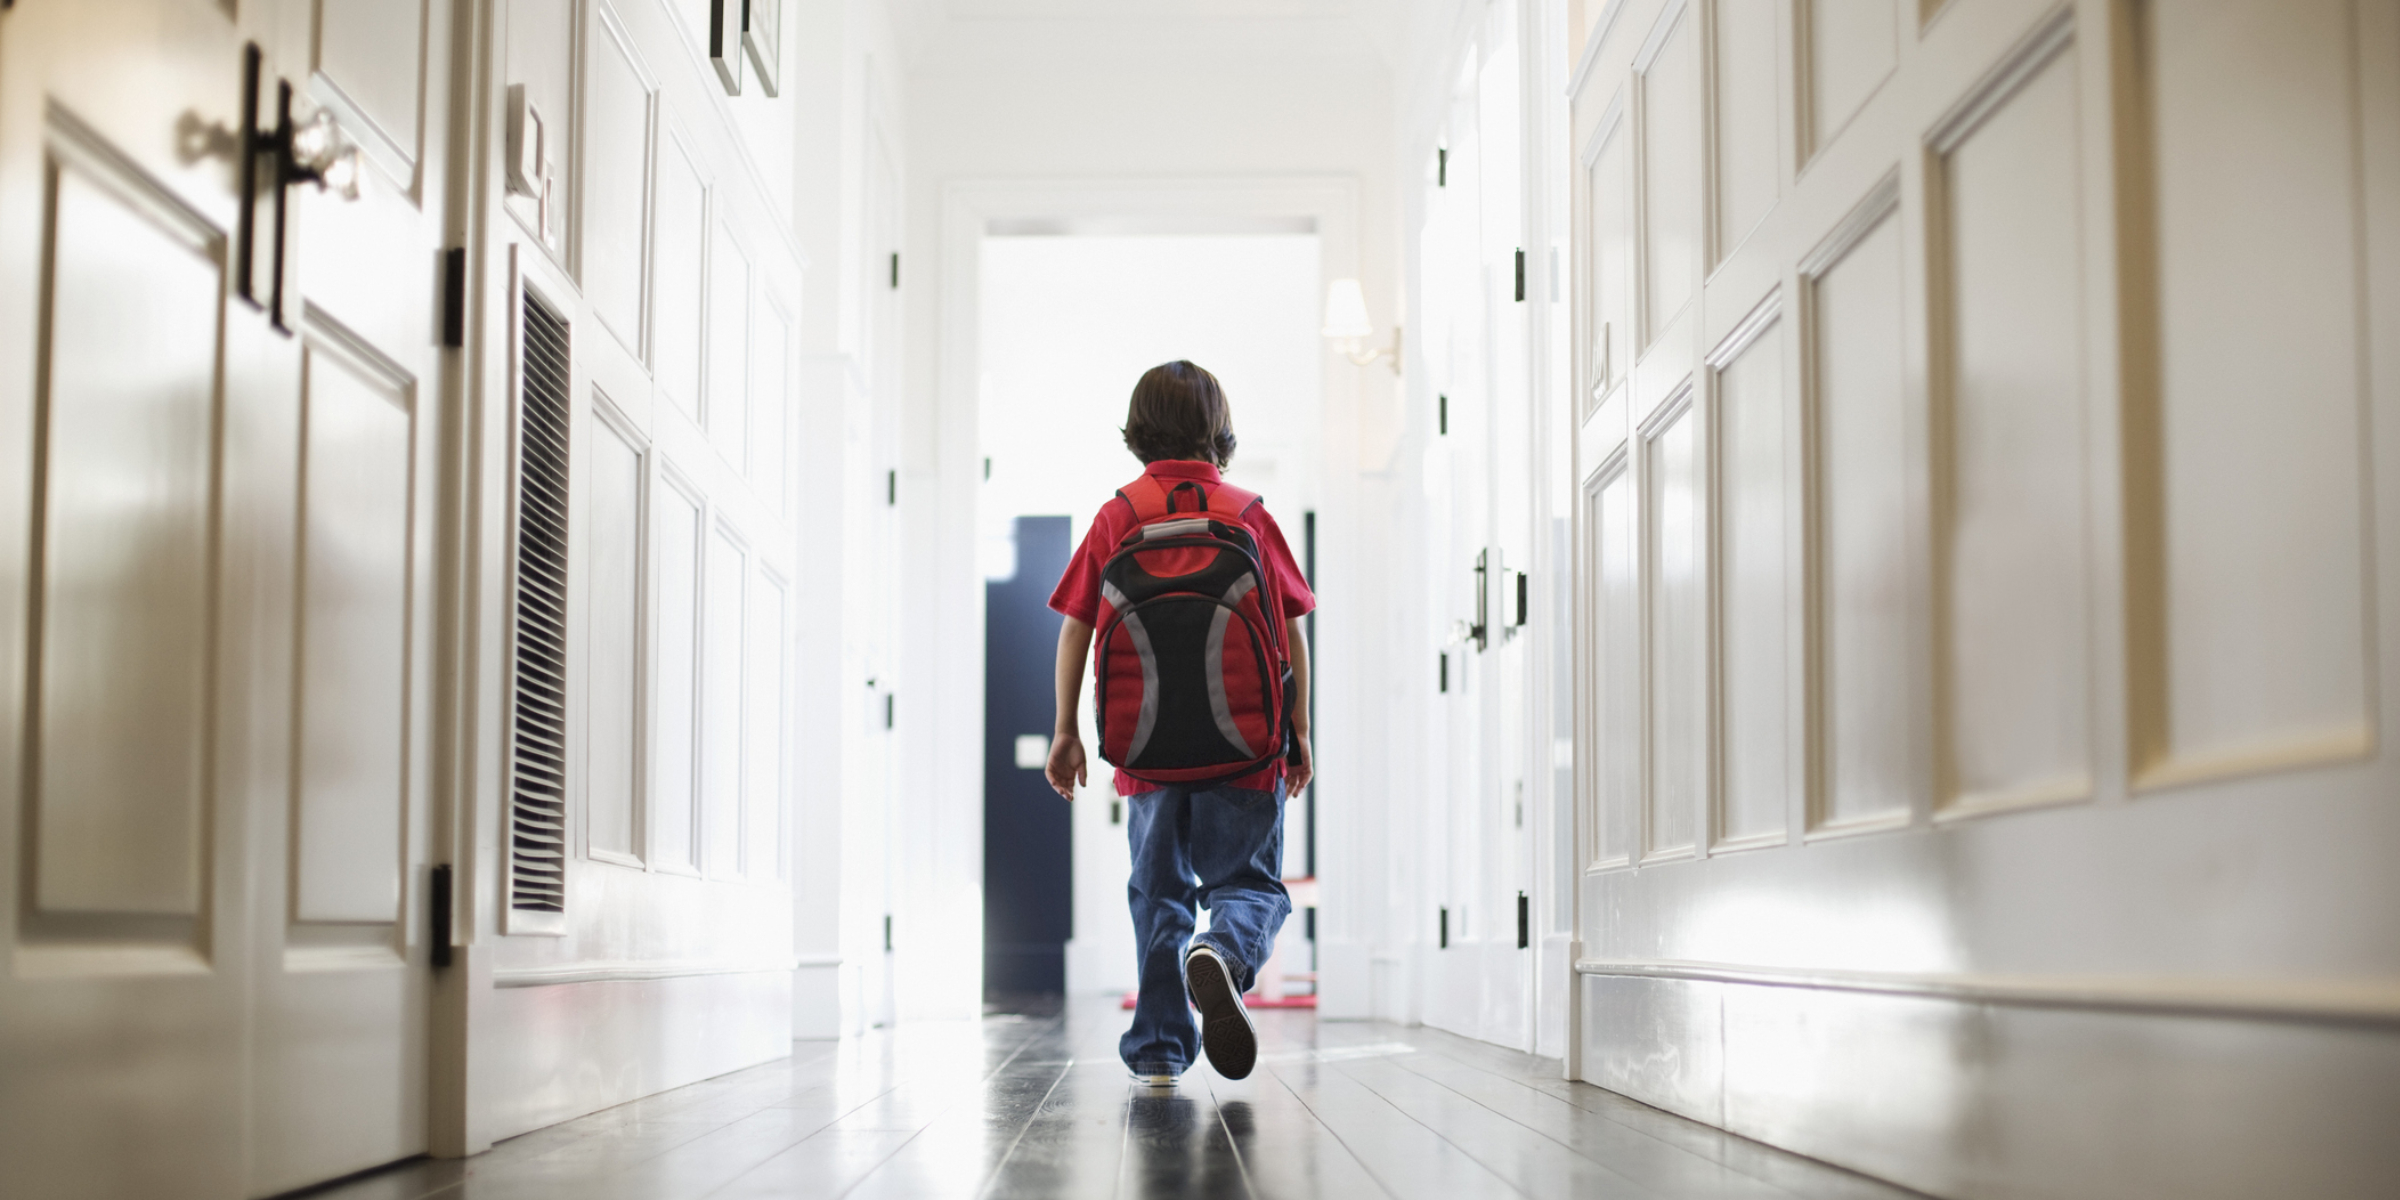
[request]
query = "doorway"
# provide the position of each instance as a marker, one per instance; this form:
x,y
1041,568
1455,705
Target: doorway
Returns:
x,y
1070,315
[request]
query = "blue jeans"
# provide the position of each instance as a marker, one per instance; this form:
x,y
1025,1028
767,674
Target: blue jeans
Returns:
x,y
1217,846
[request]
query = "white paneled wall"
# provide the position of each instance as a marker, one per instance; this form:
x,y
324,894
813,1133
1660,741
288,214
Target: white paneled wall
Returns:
x,y
2011,578
1869,689
668,250
1976,620
2253,230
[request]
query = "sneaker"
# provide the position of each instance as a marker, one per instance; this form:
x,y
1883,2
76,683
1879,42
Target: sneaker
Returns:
x,y
1226,1035
1154,1075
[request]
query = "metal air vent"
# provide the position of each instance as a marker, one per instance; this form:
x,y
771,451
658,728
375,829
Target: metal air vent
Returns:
x,y
537,865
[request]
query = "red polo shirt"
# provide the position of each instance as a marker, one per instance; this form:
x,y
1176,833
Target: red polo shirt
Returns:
x,y
1078,592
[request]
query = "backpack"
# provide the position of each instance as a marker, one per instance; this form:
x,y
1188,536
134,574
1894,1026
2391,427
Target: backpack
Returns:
x,y
1190,675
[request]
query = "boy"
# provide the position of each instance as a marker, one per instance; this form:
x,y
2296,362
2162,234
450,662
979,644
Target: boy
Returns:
x,y
1228,834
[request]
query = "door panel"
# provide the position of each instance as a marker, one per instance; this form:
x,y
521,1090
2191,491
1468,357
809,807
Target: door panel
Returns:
x,y
351,710
127,471
369,59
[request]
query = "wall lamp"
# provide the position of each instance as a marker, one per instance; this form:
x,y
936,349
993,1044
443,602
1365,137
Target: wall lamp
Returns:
x,y
1346,324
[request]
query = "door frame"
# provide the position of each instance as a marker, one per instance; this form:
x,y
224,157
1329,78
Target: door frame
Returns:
x,y
939,627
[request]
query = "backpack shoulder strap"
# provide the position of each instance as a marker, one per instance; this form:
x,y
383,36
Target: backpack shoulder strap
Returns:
x,y
1149,498
1226,500
1145,498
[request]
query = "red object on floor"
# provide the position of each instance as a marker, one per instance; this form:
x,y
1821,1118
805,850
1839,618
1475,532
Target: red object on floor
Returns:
x,y
1249,1000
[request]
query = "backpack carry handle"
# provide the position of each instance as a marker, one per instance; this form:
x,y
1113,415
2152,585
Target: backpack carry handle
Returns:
x,y
1196,490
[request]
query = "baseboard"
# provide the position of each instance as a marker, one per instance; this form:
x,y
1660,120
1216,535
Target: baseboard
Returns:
x,y
2008,1093
817,1011
550,1054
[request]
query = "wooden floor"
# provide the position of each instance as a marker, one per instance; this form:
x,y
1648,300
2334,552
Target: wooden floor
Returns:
x,y
1021,1106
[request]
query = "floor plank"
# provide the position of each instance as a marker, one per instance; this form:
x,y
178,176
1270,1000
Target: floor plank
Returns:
x,y
1020,1107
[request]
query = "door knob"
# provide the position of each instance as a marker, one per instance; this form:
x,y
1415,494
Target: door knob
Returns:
x,y
319,152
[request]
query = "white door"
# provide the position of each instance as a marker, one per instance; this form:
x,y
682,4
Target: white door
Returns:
x,y
1479,284
214,540
122,1012
341,812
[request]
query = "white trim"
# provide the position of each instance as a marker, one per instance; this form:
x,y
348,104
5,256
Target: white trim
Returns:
x,y
1881,201
1730,347
2022,62
636,972
1591,47
1595,145
1653,45
2342,1002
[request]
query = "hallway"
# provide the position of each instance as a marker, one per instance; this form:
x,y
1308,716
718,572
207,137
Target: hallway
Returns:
x,y
1029,1107
1838,566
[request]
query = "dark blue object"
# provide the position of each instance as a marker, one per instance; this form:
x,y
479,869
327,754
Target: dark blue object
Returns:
x,y
1028,847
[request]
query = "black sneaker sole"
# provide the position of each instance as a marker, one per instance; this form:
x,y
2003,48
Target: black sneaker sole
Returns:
x,y
1226,1035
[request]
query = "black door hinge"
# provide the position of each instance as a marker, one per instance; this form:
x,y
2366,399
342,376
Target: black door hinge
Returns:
x,y
1441,166
1524,597
887,933
888,698
1441,415
1520,276
454,297
895,270
1524,921
891,488
1445,684
439,901
1445,934
1481,633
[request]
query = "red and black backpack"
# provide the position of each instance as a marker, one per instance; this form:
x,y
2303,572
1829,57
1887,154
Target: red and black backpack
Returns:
x,y
1190,675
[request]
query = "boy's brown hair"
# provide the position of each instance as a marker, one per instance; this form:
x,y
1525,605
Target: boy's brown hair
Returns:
x,y
1178,411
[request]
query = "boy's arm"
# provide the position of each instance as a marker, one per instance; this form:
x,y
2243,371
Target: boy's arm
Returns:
x,y
1066,770
1297,775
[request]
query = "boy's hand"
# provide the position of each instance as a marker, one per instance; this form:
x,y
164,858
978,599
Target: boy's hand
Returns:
x,y
1296,775
1066,769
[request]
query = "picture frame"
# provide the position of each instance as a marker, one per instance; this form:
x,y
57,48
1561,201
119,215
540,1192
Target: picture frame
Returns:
x,y
725,34
762,36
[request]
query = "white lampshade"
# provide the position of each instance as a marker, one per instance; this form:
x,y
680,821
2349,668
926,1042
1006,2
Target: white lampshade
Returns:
x,y
1346,310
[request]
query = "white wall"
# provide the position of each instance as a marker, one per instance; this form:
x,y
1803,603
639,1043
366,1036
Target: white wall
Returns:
x,y
846,146
2028,830
557,1019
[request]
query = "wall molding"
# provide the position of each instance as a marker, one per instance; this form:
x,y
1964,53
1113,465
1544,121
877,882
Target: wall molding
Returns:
x,y
2003,81
645,972
1597,38
1863,218
2322,1001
